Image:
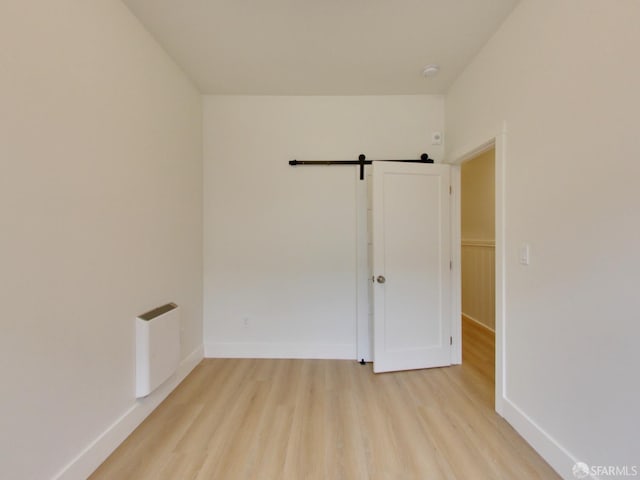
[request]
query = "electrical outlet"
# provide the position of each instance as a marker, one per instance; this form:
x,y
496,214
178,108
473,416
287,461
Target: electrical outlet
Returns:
x,y
245,322
436,138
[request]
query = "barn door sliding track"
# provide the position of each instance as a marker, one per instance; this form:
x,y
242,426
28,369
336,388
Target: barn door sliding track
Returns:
x,y
362,161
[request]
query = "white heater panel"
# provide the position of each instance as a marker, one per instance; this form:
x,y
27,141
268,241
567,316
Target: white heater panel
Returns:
x,y
157,347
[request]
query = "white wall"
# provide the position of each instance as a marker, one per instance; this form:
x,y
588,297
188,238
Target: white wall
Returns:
x,y
564,76
280,242
100,211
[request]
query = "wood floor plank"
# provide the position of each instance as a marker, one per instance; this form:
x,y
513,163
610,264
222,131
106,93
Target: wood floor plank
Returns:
x,y
330,420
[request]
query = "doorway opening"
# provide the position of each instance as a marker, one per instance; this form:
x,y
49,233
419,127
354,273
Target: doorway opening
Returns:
x,y
477,262
498,143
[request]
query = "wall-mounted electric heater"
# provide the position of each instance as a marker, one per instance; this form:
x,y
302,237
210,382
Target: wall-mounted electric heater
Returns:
x,y
157,347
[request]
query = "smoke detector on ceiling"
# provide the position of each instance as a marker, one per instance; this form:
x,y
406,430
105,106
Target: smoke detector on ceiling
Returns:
x,y
430,70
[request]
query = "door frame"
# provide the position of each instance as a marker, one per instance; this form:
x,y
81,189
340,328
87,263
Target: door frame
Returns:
x,y
497,140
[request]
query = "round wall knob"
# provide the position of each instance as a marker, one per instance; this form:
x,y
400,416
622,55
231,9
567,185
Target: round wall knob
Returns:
x,y
381,279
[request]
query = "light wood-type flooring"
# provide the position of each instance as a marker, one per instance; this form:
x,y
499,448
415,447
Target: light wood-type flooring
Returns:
x,y
330,420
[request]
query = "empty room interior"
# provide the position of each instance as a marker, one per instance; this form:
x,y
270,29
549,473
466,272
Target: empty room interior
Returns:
x,y
319,240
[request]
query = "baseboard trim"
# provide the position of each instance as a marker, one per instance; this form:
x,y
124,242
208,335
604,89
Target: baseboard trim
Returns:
x,y
558,457
471,319
98,450
345,351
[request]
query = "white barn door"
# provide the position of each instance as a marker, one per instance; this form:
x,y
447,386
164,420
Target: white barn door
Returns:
x,y
411,266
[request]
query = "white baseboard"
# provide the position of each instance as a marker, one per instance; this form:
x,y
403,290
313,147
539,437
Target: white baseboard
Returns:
x,y
345,351
99,449
561,460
